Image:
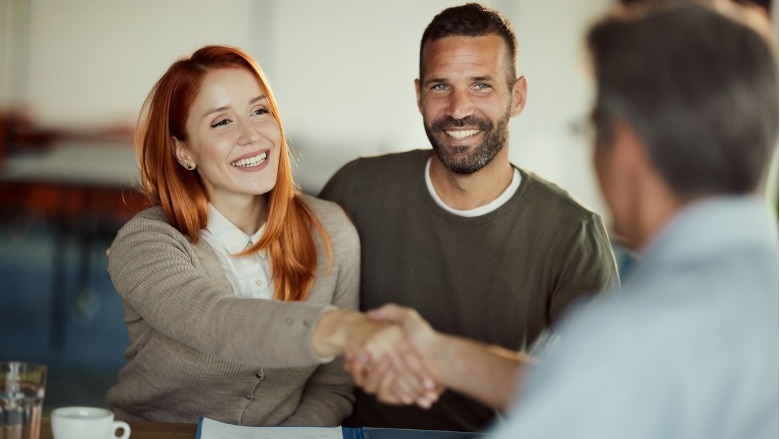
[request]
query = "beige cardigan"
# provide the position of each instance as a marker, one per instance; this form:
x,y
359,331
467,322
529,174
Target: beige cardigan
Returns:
x,y
197,350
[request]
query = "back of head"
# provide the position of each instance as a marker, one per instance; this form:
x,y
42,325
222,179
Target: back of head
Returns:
x,y
698,82
471,20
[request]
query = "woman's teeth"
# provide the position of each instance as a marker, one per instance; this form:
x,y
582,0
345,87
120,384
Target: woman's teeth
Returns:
x,y
461,134
251,161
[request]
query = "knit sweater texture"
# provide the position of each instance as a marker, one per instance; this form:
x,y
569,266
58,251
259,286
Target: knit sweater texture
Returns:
x,y
501,278
197,350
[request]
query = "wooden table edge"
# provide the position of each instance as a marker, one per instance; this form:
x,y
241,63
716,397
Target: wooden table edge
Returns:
x,y
142,430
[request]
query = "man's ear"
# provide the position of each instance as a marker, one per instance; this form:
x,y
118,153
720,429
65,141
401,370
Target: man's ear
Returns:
x,y
519,95
183,155
417,90
629,147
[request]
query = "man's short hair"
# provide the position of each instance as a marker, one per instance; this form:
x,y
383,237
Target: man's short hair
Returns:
x,y
698,83
472,20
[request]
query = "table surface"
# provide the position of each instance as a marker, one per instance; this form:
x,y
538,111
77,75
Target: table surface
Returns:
x,y
142,430
82,163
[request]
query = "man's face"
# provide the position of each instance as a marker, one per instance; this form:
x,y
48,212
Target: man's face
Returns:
x,y
617,172
466,100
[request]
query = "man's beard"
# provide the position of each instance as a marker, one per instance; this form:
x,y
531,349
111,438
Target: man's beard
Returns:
x,y
495,138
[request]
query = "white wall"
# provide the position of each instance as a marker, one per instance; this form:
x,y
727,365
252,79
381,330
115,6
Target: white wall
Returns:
x,y
552,56
342,70
94,61
14,21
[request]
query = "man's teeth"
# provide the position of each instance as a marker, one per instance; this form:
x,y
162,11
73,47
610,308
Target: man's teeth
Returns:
x,y
251,161
461,134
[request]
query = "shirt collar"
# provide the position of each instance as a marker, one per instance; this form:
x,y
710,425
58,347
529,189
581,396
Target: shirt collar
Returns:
x,y
715,225
477,211
228,235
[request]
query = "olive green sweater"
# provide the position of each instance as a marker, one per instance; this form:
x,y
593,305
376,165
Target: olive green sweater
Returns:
x,y
501,278
197,350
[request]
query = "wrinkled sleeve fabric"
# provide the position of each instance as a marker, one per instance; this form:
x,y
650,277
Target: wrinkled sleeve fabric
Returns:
x,y
587,265
328,396
574,392
157,273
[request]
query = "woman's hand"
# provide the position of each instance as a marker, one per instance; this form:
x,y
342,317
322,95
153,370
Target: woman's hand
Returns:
x,y
397,376
382,378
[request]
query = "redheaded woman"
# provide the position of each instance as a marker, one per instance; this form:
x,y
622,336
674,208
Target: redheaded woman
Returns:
x,y
238,290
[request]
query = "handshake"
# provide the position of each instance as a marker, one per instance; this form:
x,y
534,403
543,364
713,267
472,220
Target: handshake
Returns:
x,y
393,353
396,358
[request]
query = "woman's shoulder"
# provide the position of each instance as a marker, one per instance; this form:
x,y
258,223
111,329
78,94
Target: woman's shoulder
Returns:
x,y
320,207
332,216
148,229
325,211
148,216
151,221
153,213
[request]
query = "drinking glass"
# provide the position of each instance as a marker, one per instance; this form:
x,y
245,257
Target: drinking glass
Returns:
x,y
22,387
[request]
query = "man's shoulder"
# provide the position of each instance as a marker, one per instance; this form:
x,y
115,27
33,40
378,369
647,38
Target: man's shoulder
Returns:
x,y
546,195
392,161
365,178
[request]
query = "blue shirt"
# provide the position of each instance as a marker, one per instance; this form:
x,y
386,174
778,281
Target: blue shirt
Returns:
x,y
688,349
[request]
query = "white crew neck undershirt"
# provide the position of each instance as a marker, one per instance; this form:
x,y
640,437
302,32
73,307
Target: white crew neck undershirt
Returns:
x,y
477,211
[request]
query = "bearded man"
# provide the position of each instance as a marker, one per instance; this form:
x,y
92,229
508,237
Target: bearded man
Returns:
x,y
480,247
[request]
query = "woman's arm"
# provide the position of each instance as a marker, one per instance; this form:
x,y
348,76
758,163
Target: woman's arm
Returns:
x,y
179,290
328,396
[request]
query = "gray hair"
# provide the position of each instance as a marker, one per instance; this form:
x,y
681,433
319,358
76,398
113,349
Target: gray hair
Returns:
x,y
698,82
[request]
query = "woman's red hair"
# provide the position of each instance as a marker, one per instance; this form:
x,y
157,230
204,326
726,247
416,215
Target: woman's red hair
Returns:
x,y
182,194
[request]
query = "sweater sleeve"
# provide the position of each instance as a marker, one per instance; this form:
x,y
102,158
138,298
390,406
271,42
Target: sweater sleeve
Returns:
x,y
587,265
328,396
157,272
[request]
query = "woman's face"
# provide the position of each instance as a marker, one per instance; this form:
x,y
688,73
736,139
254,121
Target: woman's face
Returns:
x,y
233,140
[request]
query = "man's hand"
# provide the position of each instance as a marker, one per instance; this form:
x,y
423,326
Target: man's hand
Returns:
x,y
367,344
488,373
387,378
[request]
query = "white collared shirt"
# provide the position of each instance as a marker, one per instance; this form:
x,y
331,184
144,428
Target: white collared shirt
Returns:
x,y
477,211
249,276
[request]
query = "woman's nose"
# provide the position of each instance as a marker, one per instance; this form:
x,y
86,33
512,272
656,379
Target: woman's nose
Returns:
x,y
248,133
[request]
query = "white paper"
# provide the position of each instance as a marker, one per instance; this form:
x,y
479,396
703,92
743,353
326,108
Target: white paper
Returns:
x,y
211,429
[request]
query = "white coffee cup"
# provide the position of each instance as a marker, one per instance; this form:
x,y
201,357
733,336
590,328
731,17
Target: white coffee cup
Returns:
x,y
86,423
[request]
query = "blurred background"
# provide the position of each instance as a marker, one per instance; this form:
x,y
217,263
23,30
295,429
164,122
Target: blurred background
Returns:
x,y
73,76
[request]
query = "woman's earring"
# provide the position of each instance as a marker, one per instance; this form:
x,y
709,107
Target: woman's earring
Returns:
x,y
189,166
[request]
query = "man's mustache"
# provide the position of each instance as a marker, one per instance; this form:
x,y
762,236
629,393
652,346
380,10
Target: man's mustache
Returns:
x,y
466,122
